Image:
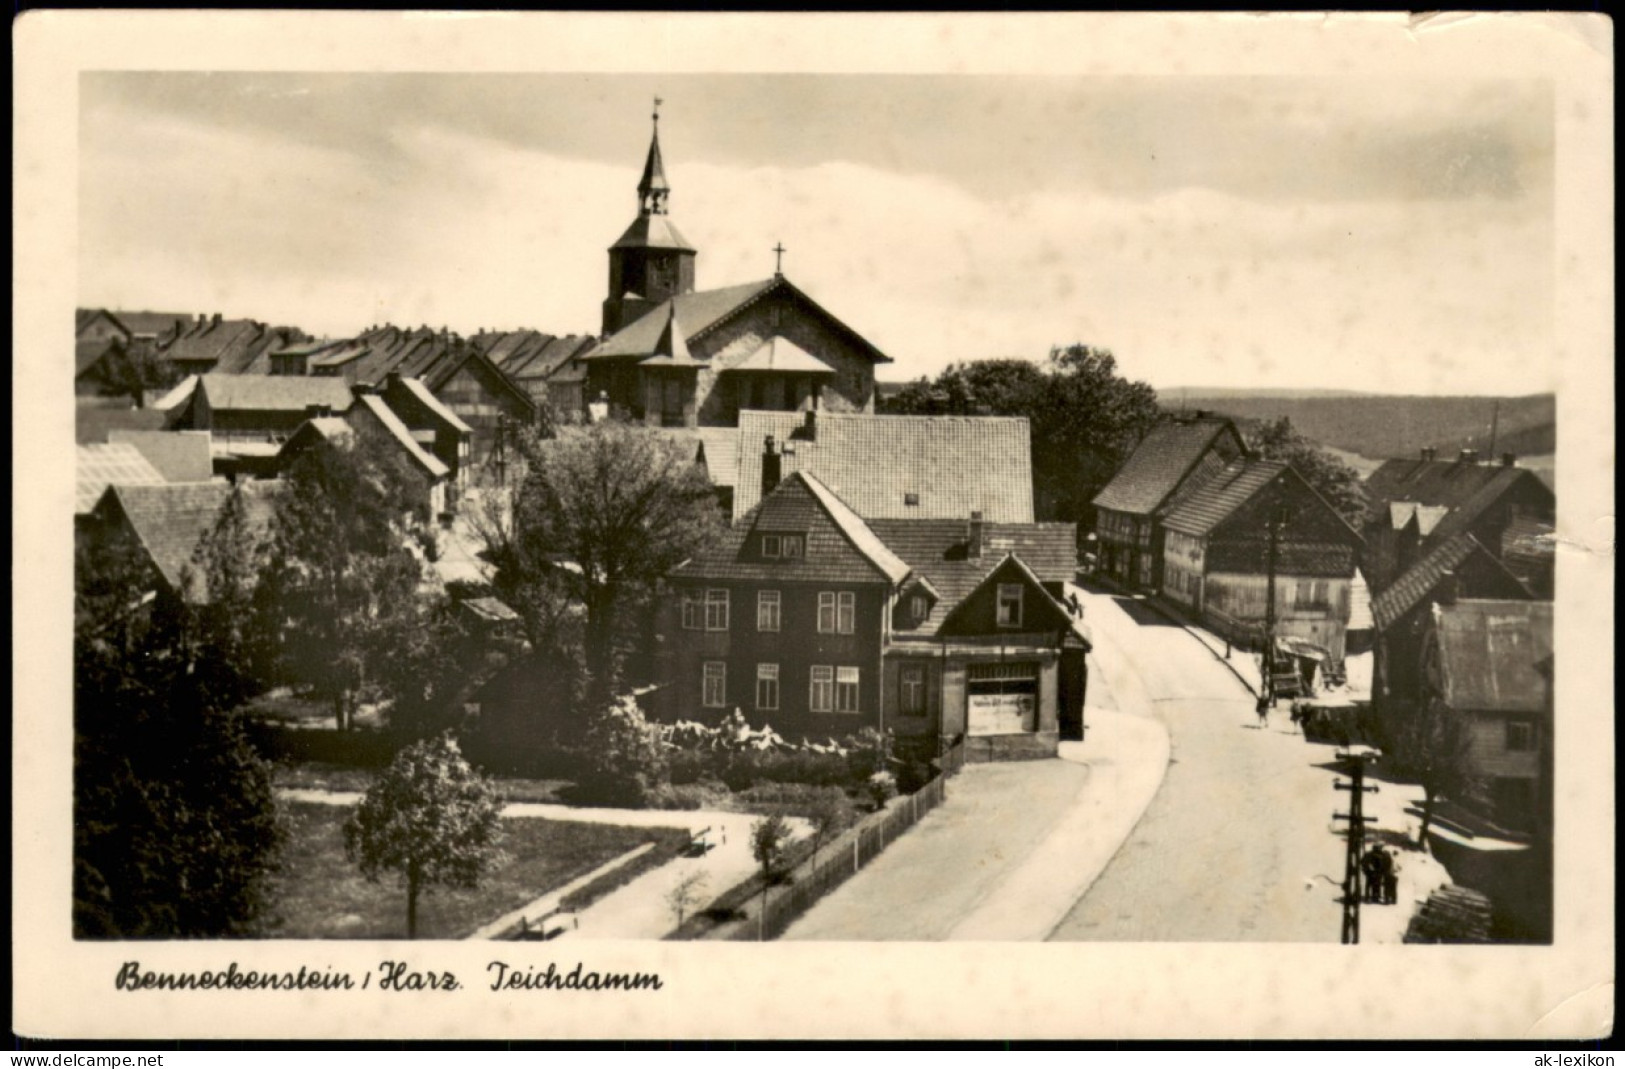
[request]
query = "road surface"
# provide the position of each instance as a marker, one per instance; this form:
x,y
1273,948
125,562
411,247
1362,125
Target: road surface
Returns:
x,y
1235,843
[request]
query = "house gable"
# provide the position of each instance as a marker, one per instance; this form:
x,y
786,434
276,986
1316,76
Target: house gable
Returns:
x,y
1314,542
978,613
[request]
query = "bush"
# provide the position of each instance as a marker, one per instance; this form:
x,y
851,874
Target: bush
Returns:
x,y
627,761
882,788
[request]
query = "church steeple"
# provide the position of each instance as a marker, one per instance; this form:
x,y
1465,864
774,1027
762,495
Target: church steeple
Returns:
x,y
652,187
651,262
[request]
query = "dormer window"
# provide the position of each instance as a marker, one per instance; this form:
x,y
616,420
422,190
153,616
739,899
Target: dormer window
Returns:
x,y
911,499
919,607
782,546
1009,606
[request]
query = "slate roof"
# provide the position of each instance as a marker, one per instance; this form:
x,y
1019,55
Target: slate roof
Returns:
x,y
1208,506
1422,578
840,546
1490,652
954,464
275,393
109,464
531,354
181,456
171,520
1159,464
936,551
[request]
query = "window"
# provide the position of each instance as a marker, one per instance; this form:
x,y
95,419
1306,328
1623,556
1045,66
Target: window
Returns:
x,y
767,610
714,685
767,686
693,619
770,546
790,546
1520,735
911,499
919,606
822,699
846,690
1009,611
716,610
846,612
826,612
911,689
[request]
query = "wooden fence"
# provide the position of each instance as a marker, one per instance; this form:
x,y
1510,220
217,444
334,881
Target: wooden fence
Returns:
x,y
840,859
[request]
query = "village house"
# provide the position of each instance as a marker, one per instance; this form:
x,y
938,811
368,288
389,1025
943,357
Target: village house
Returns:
x,y
675,356
216,345
180,456
105,343
1458,567
893,467
1416,504
544,365
805,617
1217,556
100,465
249,417
370,419
1177,456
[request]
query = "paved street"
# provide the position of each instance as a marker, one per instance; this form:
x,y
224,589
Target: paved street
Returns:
x,y
1233,844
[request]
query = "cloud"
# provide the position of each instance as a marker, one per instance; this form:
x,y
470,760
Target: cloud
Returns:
x,y
1188,286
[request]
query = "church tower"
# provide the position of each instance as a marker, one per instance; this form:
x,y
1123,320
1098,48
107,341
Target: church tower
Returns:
x,y
652,261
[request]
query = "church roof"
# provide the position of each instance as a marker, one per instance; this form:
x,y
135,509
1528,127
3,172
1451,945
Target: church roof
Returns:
x,y
782,354
653,232
654,168
671,350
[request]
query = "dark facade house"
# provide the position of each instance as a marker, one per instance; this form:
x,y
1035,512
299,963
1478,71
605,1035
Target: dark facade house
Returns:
x,y
805,617
1177,456
1415,504
433,426
893,467
1217,556
369,416
1458,567
675,356
462,379
544,365
1483,658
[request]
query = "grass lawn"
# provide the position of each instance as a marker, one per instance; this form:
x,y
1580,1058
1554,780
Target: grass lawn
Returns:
x,y
321,776
320,895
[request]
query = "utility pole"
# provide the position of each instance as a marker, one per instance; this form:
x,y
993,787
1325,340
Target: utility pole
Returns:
x,y
1274,526
1355,838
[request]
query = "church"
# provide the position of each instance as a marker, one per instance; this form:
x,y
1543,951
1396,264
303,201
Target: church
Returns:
x,y
671,355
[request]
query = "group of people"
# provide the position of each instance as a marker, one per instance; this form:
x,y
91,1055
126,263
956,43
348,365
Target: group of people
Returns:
x,y
1381,870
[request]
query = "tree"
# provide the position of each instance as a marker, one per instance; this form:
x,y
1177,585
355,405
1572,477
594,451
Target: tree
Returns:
x,y
627,760
827,814
603,514
430,819
1433,746
1085,417
1334,480
175,824
769,838
685,894
342,579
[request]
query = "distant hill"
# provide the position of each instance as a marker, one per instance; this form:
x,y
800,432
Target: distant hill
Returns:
x,y
1172,396
1375,425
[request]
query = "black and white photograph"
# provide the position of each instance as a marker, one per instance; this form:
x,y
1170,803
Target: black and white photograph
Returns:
x,y
814,526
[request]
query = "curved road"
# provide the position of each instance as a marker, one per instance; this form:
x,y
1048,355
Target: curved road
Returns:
x,y
1231,846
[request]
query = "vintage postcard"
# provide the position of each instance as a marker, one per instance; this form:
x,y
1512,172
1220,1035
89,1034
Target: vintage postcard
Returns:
x,y
776,526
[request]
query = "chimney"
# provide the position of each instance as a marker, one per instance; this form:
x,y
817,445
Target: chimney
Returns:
x,y
975,536
1448,590
216,319
1508,459
180,327
1429,453
772,465
1467,456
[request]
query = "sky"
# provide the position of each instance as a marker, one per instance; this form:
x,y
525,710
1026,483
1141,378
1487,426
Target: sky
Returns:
x,y
1284,232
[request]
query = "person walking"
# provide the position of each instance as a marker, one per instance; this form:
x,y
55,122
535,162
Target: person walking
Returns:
x,y
1371,869
1263,711
1390,877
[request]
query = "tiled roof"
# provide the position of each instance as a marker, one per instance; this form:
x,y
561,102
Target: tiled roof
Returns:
x,y
172,519
229,347
430,355
531,354
1450,483
718,445
280,393
936,551
416,388
159,323
181,456
954,465
783,355
840,547
1489,652
1421,578
1158,464
93,423
652,232
109,464
1467,513
1207,507
699,311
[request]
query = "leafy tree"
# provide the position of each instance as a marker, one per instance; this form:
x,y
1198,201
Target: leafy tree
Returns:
x,y
1336,481
827,814
685,894
175,823
342,579
627,760
1433,747
603,514
1085,417
430,819
769,842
